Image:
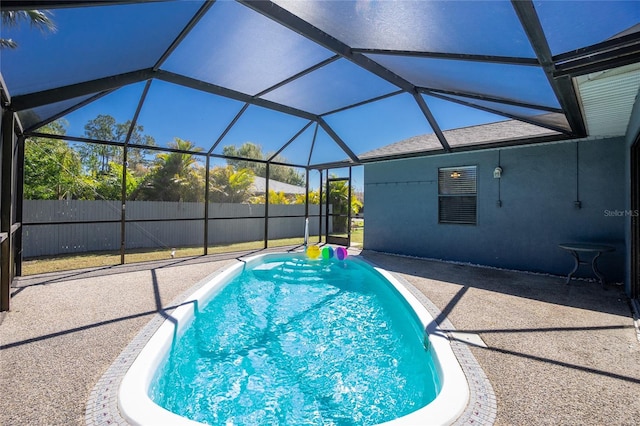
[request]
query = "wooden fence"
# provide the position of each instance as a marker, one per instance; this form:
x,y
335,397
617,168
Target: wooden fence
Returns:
x,y
96,225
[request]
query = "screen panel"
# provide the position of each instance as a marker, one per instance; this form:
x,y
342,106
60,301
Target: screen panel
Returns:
x,y
396,118
35,116
107,118
527,84
591,22
300,147
171,111
544,117
236,207
451,115
473,27
234,47
326,150
101,36
260,132
336,85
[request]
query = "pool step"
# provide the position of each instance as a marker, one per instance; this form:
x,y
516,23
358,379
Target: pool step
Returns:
x,y
293,271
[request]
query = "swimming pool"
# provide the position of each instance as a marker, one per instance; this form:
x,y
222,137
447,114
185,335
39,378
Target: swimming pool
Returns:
x,y
272,326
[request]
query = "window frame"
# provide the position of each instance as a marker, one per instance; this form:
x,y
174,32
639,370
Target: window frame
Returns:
x,y
460,194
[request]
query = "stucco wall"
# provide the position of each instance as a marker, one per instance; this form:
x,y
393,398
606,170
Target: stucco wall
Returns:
x,y
538,190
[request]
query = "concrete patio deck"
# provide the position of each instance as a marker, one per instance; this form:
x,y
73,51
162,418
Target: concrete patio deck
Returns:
x,y
556,354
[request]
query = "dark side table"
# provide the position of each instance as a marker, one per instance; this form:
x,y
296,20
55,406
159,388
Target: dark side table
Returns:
x,y
588,249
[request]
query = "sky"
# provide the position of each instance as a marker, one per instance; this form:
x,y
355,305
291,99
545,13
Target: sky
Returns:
x,y
238,48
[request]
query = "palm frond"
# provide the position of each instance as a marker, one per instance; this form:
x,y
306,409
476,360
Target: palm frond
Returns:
x,y
37,18
7,42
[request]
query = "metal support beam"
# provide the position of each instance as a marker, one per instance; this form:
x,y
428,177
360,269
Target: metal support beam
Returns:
x,y
7,138
432,121
228,128
562,86
46,97
608,54
634,255
338,140
503,113
513,60
183,34
299,75
59,4
434,92
125,165
349,211
306,206
19,203
293,138
325,207
228,93
313,143
365,102
207,174
53,118
266,207
297,24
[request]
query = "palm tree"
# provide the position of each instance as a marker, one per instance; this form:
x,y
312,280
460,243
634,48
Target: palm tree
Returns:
x,y
175,176
338,197
228,185
37,18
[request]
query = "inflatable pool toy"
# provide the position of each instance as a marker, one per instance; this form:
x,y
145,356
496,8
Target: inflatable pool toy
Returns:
x,y
341,253
313,252
327,252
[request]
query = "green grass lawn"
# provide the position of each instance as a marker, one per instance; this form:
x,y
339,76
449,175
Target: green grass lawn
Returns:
x,y
92,260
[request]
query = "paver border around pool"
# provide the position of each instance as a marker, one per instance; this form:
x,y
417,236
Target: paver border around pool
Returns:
x,y
102,405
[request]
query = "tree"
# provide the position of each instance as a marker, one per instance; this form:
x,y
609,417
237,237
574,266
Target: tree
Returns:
x,y
339,196
275,198
138,157
52,169
96,157
227,185
109,185
247,150
314,198
175,176
37,19
251,151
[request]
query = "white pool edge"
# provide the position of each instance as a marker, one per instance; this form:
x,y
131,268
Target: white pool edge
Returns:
x,y
137,408
454,393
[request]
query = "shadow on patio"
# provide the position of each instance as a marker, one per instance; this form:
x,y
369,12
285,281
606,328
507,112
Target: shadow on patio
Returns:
x,y
555,354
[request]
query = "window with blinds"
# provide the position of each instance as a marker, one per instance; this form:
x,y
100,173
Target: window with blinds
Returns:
x,y
457,195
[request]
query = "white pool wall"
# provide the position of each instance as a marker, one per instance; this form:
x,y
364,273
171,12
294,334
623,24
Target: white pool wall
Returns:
x,y
453,397
138,409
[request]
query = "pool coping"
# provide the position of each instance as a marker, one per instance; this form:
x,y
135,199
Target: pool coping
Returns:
x,y
482,406
102,404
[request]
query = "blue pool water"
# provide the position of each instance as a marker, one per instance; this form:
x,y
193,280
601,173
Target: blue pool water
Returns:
x,y
300,342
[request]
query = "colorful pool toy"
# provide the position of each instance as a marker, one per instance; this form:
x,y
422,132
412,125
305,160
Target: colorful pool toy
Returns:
x,y
327,252
341,253
313,252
